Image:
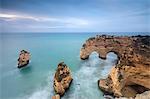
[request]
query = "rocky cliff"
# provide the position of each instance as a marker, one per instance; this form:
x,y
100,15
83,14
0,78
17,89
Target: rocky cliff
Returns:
x,y
24,58
131,74
144,95
62,78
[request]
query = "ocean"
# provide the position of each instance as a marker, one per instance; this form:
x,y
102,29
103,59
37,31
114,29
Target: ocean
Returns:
x,y
48,49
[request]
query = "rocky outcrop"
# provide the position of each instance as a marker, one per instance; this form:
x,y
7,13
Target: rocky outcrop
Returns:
x,y
24,58
131,74
145,95
62,79
56,96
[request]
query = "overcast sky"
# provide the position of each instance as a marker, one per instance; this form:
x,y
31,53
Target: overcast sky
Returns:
x,y
75,15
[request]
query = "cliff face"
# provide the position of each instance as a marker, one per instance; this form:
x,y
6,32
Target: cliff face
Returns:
x,y
145,95
131,74
62,79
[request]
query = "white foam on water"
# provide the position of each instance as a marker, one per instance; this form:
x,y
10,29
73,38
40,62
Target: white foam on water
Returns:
x,y
109,63
43,92
37,94
85,80
84,85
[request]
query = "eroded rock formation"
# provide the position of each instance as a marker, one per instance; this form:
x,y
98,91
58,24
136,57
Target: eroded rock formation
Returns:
x,y
24,58
56,96
145,95
131,74
62,78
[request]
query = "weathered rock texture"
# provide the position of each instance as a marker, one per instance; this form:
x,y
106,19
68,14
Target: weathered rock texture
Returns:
x,y
23,59
62,79
131,74
145,95
56,96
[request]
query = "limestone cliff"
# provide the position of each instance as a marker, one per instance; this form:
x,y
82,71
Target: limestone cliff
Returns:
x,y
131,74
62,79
145,95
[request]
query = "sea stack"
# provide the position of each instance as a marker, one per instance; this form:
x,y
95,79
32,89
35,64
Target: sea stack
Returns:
x,y
131,75
24,58
62,79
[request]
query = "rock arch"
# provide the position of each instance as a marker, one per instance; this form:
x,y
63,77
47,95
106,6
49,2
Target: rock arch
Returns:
x,y
132,68
85,52
94,53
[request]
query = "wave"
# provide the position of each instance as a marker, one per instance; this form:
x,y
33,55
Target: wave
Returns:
x,y
44,91
85,80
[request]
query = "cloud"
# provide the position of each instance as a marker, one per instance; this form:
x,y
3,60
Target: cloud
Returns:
x,y
129,20
12,17
44,22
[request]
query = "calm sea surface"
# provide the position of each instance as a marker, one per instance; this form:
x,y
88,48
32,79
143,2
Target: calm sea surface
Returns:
x,y
48,49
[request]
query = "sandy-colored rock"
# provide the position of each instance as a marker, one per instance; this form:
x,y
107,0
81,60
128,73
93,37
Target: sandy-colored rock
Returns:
x,y
131,74
145,95
24,58
62,78
56,96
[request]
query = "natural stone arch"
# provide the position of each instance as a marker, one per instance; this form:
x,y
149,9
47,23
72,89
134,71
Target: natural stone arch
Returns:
x,y
84,54
132,66
112,55
94,53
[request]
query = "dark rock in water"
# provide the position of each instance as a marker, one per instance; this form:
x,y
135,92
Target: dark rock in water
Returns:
x,y
62,79
24,58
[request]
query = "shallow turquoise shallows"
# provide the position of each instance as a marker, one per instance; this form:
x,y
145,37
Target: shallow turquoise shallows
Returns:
x,y
36,80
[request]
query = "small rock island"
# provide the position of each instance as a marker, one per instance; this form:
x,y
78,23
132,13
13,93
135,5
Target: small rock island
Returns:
x,y
62,80
24,58
131,75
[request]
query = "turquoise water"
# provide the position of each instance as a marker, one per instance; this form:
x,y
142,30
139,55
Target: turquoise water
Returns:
x,y
47,50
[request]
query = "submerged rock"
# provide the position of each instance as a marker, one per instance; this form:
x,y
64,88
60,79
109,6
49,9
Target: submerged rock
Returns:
x,y
131,74
23,59
62,78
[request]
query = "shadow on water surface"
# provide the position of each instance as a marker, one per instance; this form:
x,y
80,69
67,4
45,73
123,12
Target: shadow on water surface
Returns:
x,y
27,69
